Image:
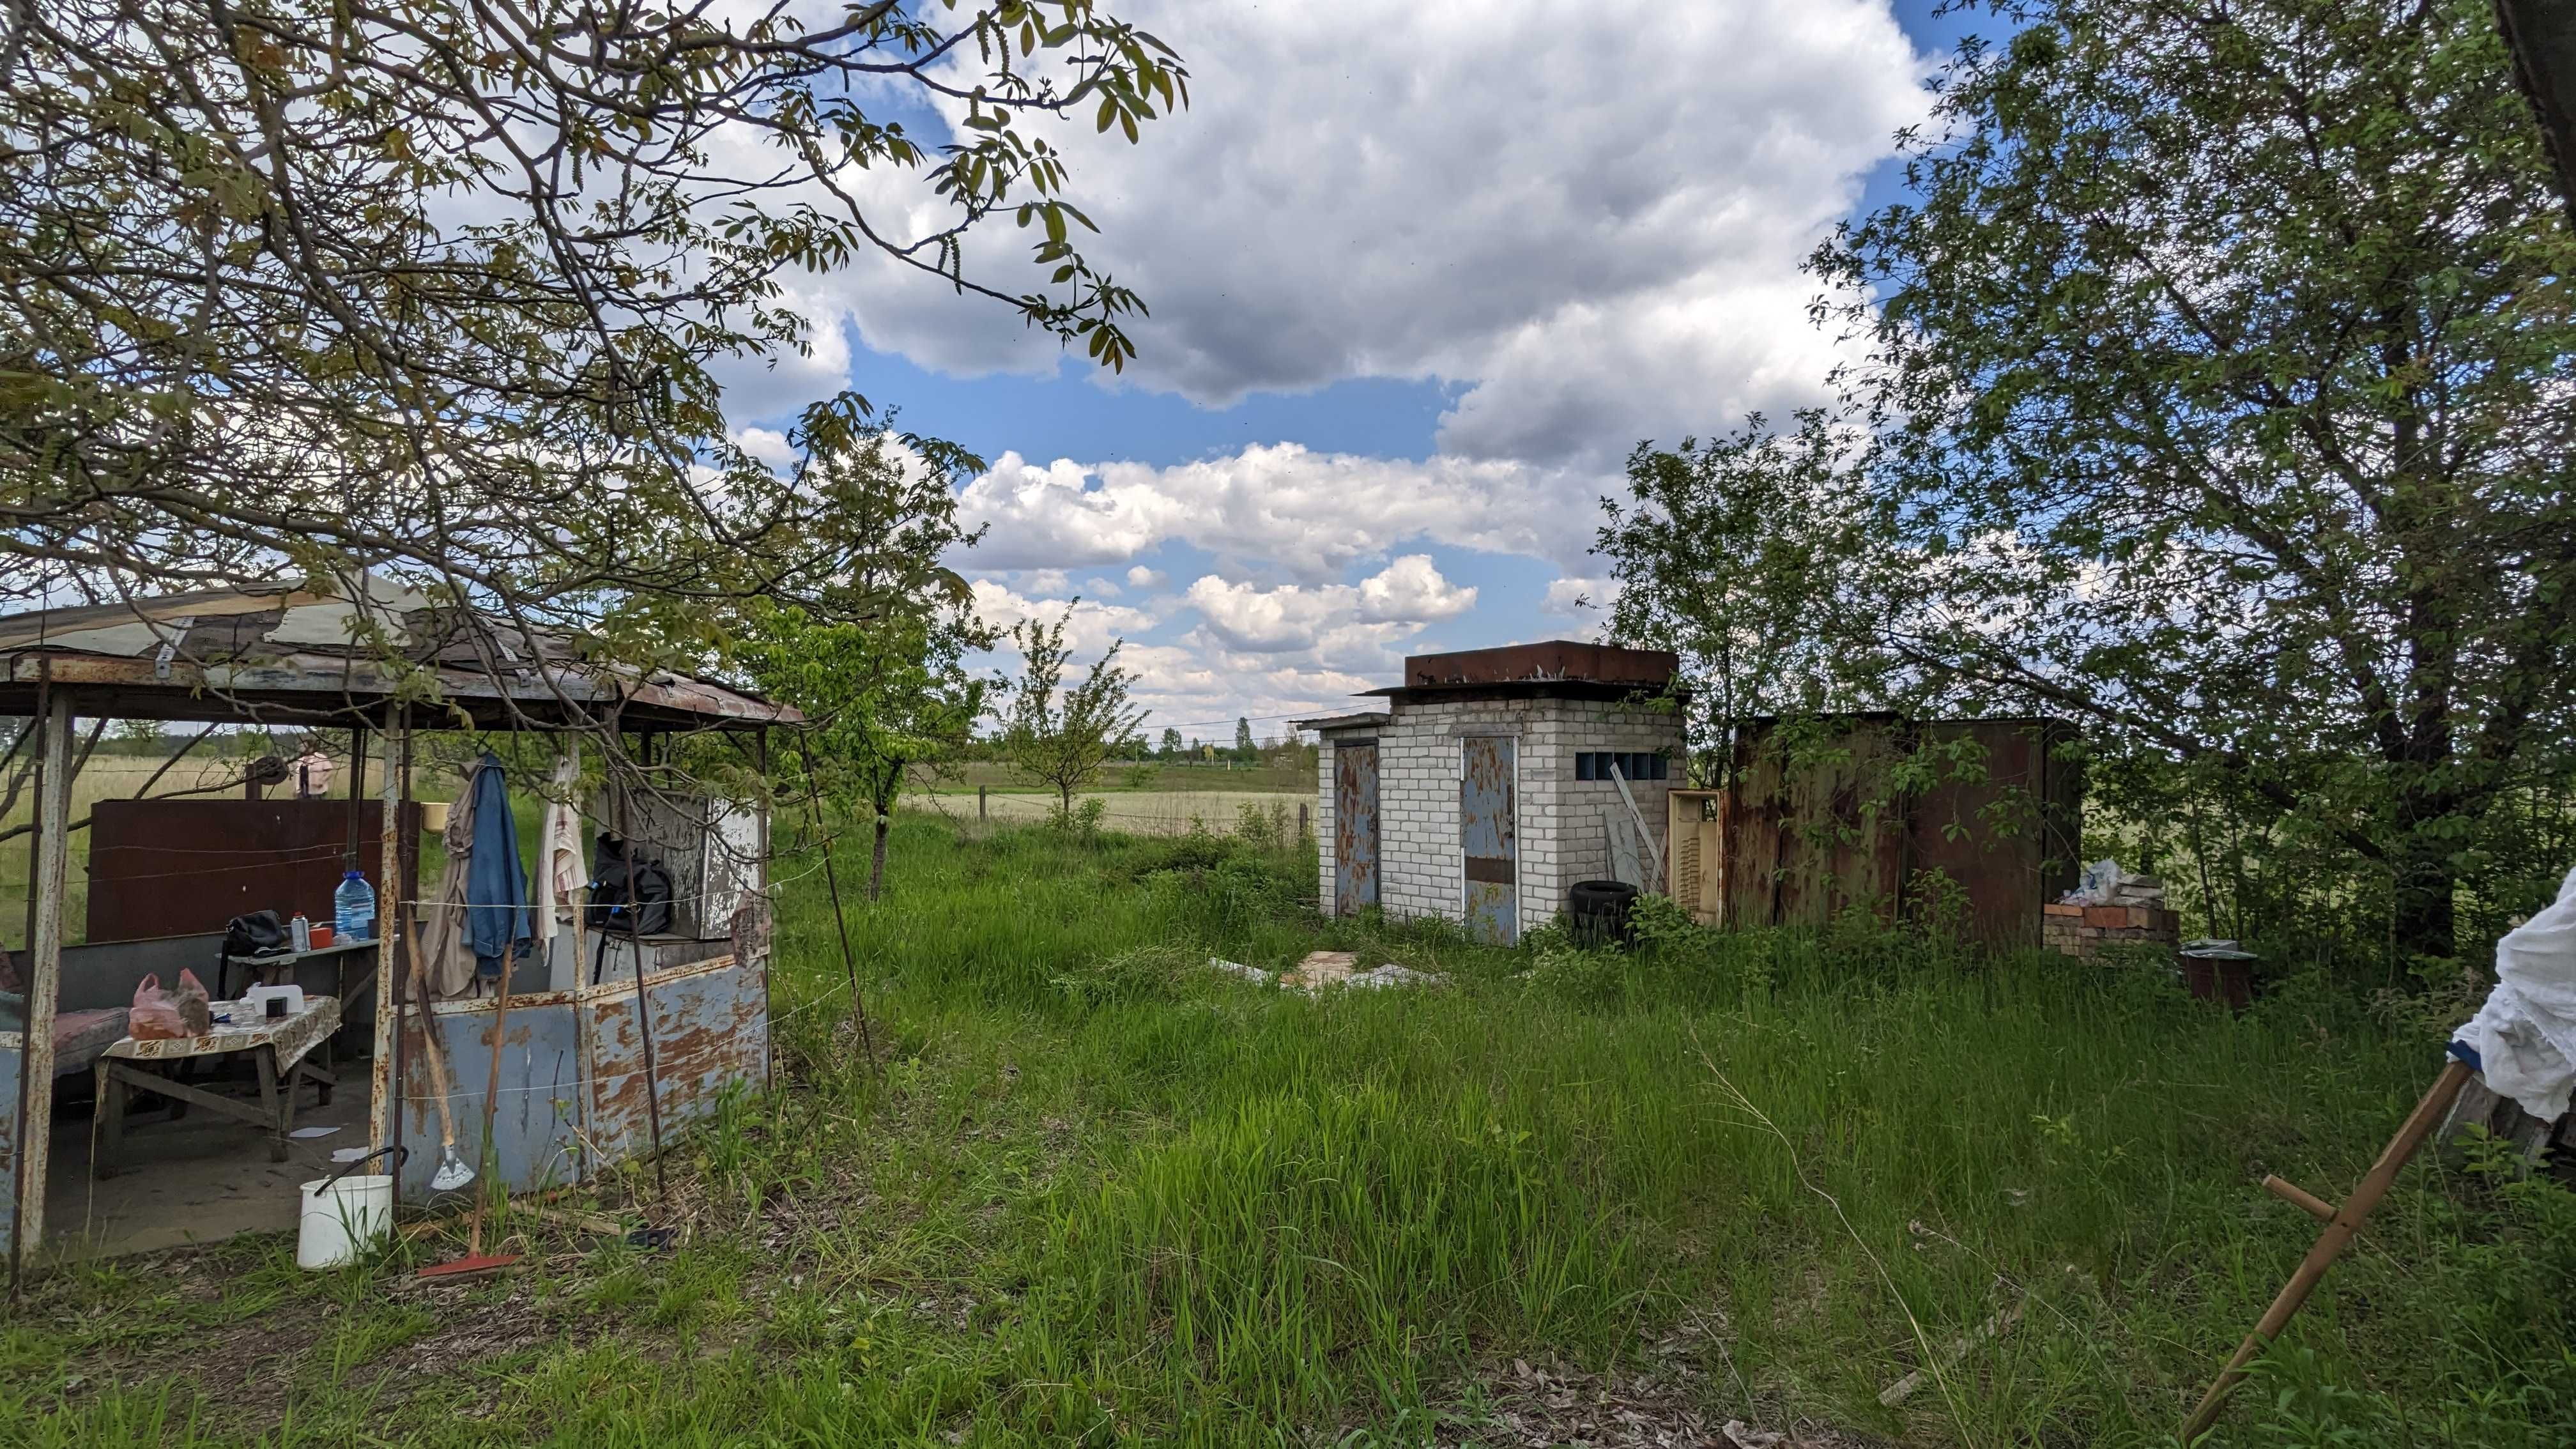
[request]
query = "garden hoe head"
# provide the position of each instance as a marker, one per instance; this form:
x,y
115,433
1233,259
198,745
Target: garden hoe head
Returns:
x,y
452,1172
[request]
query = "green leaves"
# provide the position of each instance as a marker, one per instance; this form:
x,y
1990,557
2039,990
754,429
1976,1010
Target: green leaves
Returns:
x,y
438,292
2213,399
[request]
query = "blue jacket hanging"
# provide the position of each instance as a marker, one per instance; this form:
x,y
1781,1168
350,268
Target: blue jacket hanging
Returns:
x,y
497,913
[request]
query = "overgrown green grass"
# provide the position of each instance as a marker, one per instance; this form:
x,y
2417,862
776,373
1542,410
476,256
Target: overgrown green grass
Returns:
x,y
1100,1193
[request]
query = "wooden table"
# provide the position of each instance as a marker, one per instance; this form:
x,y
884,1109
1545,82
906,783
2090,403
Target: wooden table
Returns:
x,y
278,1048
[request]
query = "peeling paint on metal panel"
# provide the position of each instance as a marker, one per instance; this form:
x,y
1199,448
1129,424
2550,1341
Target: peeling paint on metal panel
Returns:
x,y
537,1119
710,1031
1355,834
1488,830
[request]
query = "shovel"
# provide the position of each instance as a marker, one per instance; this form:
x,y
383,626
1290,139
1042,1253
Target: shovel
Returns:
x,y
452,1172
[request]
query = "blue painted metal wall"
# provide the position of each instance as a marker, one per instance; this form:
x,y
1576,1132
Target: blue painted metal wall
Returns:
x,y
8,1145
536,1120
1355,867
1487,837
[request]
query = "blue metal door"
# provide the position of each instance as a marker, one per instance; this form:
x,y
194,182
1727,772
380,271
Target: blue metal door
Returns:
x,y
1485,835
1354,827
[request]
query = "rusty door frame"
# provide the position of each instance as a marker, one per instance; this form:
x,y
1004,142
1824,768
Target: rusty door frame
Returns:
x,y
1377,822
1512,738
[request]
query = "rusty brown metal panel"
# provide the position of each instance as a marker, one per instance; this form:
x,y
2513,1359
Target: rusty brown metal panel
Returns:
x,y
1853,826
179,867
710,1028
1554,659
2003,823
1813,824
1751,828
1355,827
1805,838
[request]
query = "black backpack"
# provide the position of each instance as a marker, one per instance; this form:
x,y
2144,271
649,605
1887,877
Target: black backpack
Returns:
x,y
632,893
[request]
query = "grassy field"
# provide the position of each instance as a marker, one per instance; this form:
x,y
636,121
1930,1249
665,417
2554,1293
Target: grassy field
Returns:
x,y
1147,776
1133,812
1100,1194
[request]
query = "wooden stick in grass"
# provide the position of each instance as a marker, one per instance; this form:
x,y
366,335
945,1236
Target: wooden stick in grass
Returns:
x,y
491,1160
2338,1235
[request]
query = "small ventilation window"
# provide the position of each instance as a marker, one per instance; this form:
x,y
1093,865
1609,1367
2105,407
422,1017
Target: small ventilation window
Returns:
x,y
1633,764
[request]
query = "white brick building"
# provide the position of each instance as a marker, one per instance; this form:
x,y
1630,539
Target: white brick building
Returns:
x,y
1487,788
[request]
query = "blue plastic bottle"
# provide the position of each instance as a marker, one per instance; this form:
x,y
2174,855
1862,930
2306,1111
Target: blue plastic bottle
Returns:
x,y
354,907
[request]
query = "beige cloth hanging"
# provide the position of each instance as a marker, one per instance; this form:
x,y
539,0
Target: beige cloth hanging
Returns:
x,y
446,952
562,874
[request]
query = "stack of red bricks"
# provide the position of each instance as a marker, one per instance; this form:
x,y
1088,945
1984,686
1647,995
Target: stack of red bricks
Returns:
x,y
2136,915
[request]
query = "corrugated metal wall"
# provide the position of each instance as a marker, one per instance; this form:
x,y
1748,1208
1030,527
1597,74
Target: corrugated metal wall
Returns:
x,y
1869,811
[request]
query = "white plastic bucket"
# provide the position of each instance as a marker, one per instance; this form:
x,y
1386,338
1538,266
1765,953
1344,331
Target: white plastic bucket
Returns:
x,y
341,1220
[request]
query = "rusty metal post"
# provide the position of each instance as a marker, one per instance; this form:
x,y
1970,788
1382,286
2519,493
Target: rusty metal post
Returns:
x,y
768,914
24,1150
643,1007
832,881
386,1070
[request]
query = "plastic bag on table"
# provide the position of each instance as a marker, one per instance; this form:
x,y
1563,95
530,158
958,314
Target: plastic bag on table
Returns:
x,y
154,1017
196,1008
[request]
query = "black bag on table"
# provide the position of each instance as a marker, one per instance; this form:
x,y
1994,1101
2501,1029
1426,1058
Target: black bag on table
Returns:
x,y
260,933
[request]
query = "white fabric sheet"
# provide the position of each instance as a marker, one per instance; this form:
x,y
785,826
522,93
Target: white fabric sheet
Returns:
x,y
2525,1036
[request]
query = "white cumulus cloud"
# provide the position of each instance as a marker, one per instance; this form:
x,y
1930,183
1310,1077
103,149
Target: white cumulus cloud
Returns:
x,y
1289,510
1592,221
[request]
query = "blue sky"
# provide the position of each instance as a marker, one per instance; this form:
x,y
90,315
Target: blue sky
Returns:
x,y
1415,296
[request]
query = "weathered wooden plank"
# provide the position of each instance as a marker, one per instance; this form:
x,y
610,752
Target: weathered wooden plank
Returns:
x,y
44,981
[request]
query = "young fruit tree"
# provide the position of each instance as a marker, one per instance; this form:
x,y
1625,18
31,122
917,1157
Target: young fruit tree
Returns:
x,y
448,291
2215,394
881,677
1059,736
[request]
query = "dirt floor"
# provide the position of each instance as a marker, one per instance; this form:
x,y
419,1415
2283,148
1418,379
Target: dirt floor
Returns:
x,y
200,1179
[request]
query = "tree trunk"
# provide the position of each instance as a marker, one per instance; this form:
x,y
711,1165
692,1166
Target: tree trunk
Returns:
x,y
2424,921
876,860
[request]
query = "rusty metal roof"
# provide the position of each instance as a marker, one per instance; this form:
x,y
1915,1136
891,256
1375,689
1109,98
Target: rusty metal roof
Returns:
x,y
1551,661
1557,668
1341,721
291,652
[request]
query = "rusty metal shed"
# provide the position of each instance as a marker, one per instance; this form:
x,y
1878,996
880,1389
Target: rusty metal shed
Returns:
x,y
576,1087
1886,813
